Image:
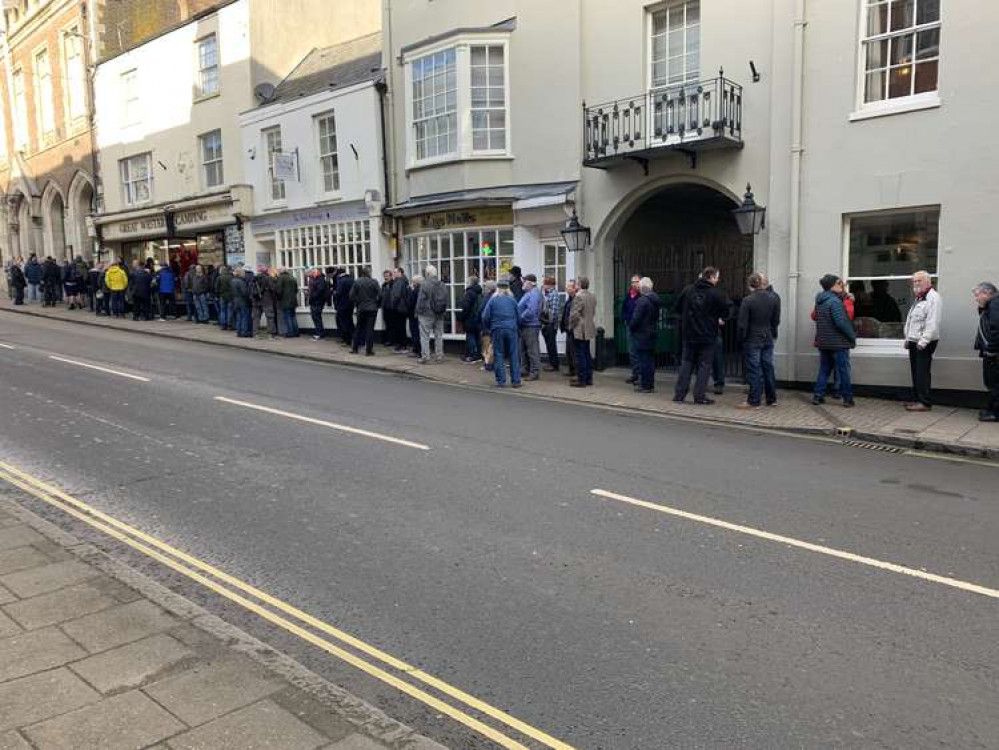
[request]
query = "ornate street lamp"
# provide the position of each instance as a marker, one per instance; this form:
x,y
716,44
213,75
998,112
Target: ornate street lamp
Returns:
x,y
750,217
575,235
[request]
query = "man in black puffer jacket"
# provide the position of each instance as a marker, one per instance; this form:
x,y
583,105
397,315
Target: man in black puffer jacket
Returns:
x,y
701,307
987,344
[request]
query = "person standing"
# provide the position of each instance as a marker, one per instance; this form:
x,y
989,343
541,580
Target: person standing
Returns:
x,y
627,313
516,283
51,282
835,337
116,280
563,323
17,282
550,313
582,321
187,285
33,275
470,317
642,330
318,294
241,304
365,296
344,307
200,288
223,295
987,344
166,285
412,320
759,318
287,296
140,284
431,307
529,316
271,301
485,338
702,307
499,317
388,313
922,332
399,304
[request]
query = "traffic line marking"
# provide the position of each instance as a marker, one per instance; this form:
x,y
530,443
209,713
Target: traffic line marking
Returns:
x,y
324,423
119,373
7,346
973,588
189,566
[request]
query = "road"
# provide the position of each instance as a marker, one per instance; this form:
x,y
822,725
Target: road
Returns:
x,y
484,557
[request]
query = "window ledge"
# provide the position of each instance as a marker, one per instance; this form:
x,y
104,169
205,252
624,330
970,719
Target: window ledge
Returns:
x,y
897,107
415,166
881,348
276,206
329,198
206,97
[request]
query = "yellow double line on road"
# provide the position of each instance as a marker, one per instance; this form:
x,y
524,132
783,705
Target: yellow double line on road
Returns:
x,y
212,578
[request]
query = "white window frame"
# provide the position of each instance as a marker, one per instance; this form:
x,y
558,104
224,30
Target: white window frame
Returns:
x,y
273,196
44,93
207,164
326,158
489,108
912,103
345,244
885,346
22,133
649,43
200,91
124,172
74,81
131,100
462,45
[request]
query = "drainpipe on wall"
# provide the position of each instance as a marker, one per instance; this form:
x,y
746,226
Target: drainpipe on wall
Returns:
x,y
797,149
89,60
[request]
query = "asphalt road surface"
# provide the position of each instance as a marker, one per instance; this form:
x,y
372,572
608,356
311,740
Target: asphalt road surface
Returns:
x,y
477,551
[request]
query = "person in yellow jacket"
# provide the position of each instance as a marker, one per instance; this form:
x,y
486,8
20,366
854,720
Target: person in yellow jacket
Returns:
x,y
116,279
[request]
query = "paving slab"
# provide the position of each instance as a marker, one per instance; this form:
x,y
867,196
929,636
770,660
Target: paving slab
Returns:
x,y
356,742
127,722
262,726
13,741
60,606
6,595
8,627
211,690
132,665
119,625
36,651
18,536
42,696
29,583
21,558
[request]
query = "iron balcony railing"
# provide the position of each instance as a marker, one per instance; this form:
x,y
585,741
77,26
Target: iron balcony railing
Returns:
x,y
690,117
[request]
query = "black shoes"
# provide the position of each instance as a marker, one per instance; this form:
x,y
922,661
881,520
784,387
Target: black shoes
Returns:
x,y
848,403
818,400
704,401
987,416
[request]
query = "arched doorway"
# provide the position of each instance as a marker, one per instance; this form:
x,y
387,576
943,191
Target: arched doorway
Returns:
x,y
671,237
81,199
54,222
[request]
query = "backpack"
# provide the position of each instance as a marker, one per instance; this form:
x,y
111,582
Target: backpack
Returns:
x,y
475,314
253,286
438,302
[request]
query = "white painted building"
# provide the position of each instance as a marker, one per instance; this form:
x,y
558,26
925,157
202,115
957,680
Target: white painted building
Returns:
x,y
168,133
312,154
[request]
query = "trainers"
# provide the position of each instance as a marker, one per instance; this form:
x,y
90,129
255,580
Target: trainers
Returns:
x,y
316,338
818,400
704,401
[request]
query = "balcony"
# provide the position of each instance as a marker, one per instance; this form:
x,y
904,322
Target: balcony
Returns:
x,y
686,118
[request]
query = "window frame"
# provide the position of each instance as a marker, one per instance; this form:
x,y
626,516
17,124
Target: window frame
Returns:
x,y
44,100
200,93
650,12
894,346
488,109
464,151
206,164
914,102
344,243
127,193
129,80
22,127
72,36
272,181
322,155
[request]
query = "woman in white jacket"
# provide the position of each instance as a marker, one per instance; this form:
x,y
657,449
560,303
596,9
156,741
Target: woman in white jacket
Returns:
x,y
922,332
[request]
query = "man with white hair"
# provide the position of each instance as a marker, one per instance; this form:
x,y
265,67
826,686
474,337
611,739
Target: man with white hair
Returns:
x,y
642,329
987,343
431,307
922,331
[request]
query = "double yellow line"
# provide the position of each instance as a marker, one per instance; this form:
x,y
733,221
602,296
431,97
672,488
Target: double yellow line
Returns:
x,y
290,618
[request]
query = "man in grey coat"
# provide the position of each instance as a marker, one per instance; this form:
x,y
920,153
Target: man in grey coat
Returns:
x,y
431,307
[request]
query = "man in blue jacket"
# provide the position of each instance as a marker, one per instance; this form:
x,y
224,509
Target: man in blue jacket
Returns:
x,y
835,337
499,317
33,275
529,317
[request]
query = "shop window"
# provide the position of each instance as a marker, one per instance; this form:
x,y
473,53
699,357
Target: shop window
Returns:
x,y
345,244
675,44
207,83
329,163
211,159
885,249
899,49
136,179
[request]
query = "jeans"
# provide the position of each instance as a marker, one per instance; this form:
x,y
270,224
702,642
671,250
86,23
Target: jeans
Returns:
x,y
117,303
990,376
584,361
920,362
432,326
505,349
201,307
244,328
699,356
226,318
364,333
316,311
414,334
838,359
32,292
532,346
290,322
646,367
166,305
633,362
472,344
718,363
189,306
550,335
760,372
391,329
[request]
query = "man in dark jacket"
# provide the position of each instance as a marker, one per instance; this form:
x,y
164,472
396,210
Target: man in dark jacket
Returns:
x,y
516,283
987,344
33,275
702,307
399,304
835,337
759,317
470,316
318,294
140,285
563,324
388,312
344,307
366,297
627,313
17,282
51,282
241,304
287,297
642,331
223,293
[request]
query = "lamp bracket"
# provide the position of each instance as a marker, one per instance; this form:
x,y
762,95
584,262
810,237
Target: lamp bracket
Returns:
x,y
642,161
692,155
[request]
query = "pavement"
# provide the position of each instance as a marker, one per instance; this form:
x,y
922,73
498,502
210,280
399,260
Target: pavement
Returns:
x,y
944,429
94,656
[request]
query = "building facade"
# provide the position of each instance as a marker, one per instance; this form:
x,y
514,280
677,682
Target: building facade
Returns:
x,y
650,119
314,158
169,138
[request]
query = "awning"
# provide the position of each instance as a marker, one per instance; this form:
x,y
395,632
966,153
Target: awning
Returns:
x,y
494,196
